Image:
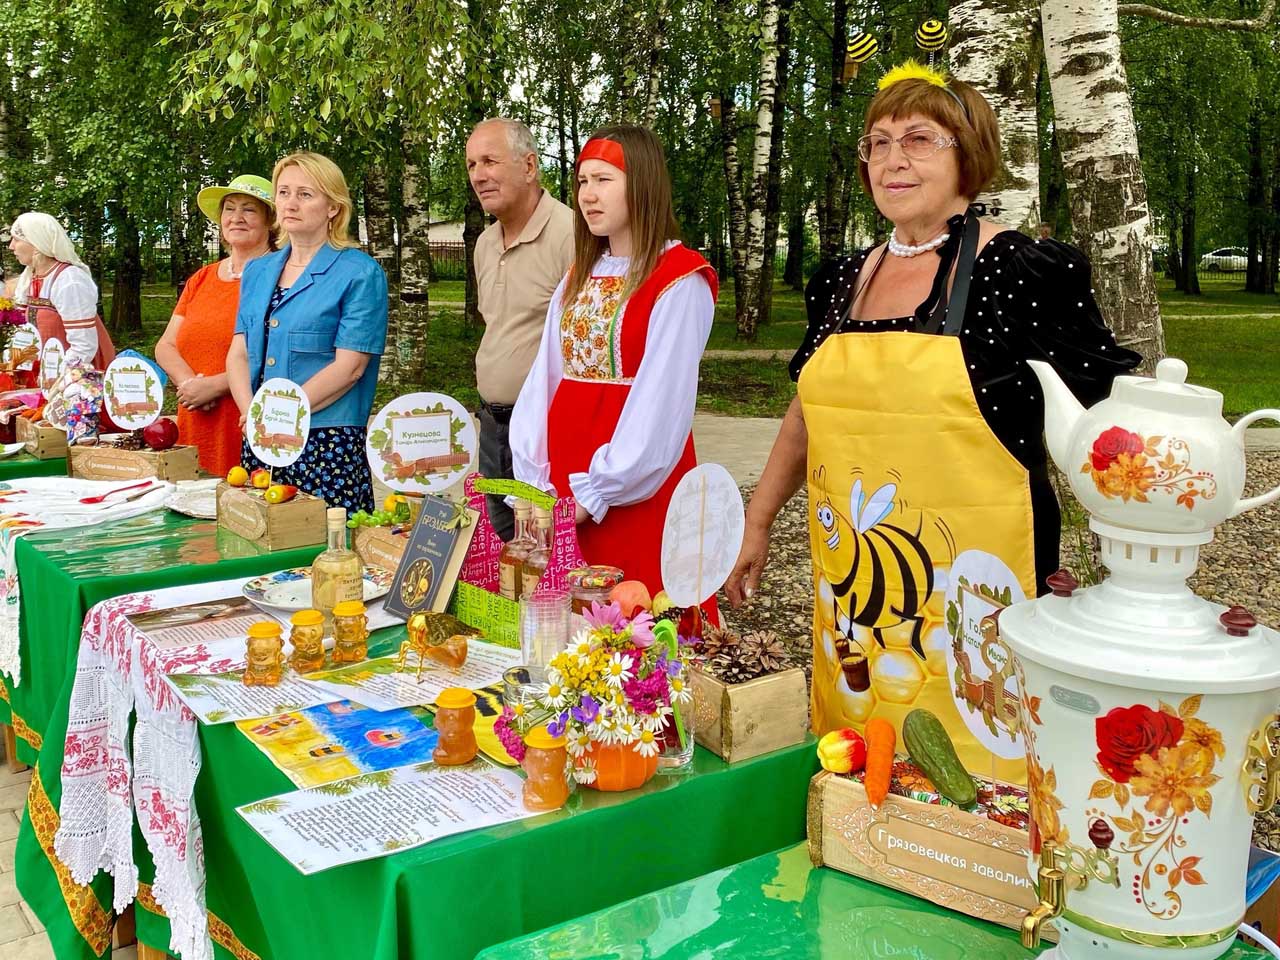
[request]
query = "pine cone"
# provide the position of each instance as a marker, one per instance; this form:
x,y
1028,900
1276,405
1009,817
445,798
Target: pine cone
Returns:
x,y
719,643
770,654
729,669
671,613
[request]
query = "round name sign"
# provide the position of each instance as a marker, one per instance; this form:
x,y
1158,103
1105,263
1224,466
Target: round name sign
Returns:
x,y
132,392
278,423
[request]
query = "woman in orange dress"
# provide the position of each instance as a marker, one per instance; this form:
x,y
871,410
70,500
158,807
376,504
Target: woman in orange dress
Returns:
x,y
193,350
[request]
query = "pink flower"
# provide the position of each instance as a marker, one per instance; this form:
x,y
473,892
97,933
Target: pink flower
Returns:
x,y
605,616
642,629
510,740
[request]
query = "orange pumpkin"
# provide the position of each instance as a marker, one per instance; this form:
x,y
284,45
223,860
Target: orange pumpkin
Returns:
x,y
620,767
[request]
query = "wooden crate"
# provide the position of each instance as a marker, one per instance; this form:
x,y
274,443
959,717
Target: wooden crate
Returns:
x,y
379,547
948,856
44,441
111,463
743,720
299,522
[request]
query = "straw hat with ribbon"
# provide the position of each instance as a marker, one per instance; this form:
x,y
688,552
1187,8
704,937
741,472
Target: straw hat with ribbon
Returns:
x,y
209,200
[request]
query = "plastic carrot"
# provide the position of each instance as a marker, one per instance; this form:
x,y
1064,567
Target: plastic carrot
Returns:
x,y
881,740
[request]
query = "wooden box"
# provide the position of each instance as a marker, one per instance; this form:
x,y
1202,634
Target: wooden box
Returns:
x,y
379,547
111,463
744,720
299,522
943,854
44,441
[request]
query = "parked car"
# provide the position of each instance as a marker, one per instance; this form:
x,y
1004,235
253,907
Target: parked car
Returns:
x,y
1225,260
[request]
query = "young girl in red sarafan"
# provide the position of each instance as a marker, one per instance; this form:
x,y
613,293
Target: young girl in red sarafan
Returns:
x,y
606,413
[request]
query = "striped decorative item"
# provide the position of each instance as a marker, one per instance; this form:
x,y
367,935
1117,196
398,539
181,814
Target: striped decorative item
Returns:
x,y
861,48
931,37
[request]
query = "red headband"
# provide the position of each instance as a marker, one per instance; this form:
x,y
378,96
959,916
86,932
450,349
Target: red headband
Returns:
x,y
610,151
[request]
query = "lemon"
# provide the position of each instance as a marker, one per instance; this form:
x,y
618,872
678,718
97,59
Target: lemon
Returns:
x,y
237,476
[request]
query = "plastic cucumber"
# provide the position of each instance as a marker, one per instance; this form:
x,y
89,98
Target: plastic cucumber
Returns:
x,y
930,747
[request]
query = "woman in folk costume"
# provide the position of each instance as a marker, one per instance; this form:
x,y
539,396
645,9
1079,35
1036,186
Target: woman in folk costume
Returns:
x,y
607,411
57,290
918,425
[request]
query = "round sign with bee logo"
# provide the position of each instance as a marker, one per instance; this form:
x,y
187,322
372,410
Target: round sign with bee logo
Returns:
x,y
984,686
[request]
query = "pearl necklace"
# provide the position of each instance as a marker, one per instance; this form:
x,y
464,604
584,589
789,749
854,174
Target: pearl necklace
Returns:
x,y
900,249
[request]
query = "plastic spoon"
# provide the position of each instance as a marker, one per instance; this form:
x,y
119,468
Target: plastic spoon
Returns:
x,y
102,496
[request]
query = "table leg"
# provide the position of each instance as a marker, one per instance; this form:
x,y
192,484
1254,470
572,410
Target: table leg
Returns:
x,y
124,934
151,953
11,750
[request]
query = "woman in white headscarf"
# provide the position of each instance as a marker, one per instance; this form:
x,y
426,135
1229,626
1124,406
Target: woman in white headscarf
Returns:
x,y
57,290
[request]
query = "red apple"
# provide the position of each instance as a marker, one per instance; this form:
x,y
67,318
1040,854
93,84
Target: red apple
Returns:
x,y
160,435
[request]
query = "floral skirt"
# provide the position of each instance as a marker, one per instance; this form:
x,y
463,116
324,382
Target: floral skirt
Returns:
x,y
332,467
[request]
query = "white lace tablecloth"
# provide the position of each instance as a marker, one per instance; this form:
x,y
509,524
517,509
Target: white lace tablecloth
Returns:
x,y
120,672
40,504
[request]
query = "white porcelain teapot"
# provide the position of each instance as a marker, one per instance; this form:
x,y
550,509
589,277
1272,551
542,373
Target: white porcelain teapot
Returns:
x,y
1156,455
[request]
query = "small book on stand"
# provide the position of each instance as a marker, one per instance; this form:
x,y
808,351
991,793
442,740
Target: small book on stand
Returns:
x,y
432,559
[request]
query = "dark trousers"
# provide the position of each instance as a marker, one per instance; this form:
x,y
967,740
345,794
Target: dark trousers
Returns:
x,y
495,463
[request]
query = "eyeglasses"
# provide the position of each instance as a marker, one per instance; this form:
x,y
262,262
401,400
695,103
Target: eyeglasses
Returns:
x,y
918,145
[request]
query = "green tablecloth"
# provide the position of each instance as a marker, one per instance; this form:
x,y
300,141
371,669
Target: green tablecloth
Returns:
x,y
25,465
777,905
451,898
63,574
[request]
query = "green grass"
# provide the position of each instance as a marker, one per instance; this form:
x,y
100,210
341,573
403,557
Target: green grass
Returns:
x,y
1236,356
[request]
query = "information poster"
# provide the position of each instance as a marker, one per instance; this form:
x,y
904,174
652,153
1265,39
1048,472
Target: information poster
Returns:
x,y
223,697
376,814
421,443
380,685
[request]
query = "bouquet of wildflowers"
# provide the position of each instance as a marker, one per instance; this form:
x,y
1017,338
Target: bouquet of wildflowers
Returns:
x,y
619,682
11,317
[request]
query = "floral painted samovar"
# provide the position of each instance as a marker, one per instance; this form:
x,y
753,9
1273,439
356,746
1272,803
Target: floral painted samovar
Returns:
x,y
1149,715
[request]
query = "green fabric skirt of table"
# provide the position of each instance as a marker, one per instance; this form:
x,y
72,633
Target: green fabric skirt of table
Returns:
x,y
453,897
25,465
777,905
63,574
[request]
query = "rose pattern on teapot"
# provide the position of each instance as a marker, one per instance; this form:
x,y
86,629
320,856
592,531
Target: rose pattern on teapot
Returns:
x,y
1128,466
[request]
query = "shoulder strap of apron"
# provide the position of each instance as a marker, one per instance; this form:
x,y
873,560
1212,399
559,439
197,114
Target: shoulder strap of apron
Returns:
x,y
948,314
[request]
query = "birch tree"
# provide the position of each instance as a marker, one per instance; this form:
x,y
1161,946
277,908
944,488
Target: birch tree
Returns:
x,y
996,48
1106,190
748,190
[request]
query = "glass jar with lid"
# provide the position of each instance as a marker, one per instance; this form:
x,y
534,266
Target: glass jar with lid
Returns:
x,y
592,584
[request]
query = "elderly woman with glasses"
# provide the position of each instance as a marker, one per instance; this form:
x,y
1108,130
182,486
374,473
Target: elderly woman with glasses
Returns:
x,y
917,422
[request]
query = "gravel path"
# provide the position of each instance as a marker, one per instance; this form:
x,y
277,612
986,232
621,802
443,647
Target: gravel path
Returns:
x,y
1242,566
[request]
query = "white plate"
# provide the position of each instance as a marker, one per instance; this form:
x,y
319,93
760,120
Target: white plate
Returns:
x,y
9,449
291,589
195,498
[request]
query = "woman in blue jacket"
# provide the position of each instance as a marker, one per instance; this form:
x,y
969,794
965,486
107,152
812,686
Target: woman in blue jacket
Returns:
x,y
315,313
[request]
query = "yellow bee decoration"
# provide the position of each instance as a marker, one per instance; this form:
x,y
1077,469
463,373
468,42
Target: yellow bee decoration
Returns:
x,y
881,573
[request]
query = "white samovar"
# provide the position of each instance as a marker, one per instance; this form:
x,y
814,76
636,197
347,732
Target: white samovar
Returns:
x,y
1149,714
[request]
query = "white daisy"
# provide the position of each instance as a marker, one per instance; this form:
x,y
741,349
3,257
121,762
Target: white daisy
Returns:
x,y
680,691
585,773
556,695
578,744
648,745
628,731
617,671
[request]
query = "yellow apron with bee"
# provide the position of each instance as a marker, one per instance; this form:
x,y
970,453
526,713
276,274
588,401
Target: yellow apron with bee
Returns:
x,y
919,525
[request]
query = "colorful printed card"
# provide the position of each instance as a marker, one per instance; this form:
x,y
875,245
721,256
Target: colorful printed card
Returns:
x,y
23,338
334,741
421,443
132,392
279,422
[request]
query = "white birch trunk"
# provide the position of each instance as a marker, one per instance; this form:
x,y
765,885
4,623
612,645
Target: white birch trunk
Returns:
x,y
415,272
1106,190
995,47
655,62
748,312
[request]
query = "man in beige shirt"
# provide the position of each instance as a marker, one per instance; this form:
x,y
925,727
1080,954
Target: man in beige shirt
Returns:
x,y
520,259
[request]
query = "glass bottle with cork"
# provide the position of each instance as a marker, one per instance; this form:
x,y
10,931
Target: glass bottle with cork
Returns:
x,y
535,565
337,574
515,552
